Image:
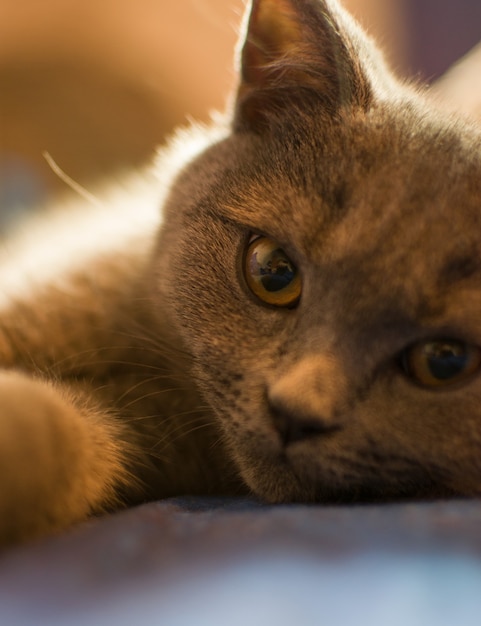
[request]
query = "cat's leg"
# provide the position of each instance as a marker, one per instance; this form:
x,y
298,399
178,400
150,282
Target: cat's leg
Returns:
x,y
61,457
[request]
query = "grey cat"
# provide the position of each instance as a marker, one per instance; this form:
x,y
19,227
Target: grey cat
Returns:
x,y
302,322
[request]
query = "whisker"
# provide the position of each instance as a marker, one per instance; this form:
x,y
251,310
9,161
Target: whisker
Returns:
x,y
143,381
150,395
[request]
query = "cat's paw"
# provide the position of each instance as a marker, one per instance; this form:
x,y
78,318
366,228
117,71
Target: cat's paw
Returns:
x,y
56,464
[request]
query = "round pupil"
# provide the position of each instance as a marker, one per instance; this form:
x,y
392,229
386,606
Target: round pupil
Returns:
x,y
446,360
273,269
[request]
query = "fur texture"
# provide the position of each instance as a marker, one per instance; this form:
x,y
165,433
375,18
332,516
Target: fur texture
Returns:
x,y
144,365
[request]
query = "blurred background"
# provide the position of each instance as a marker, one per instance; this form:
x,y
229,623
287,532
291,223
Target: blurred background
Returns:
x,y
98,84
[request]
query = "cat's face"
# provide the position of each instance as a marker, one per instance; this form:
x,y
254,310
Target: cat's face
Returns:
x,y
325,272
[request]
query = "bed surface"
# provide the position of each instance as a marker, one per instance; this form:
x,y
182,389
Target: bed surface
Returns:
x,y
218,562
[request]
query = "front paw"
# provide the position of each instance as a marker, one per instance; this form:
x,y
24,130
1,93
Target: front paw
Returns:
x,y
56,464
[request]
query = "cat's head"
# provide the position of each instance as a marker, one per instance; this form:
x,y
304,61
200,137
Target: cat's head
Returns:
x,y
322,263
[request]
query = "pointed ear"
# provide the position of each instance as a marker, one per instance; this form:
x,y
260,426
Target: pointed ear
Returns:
x,y
296,50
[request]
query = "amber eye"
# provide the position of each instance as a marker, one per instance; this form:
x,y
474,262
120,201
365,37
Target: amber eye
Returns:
x,y
270,274
441,362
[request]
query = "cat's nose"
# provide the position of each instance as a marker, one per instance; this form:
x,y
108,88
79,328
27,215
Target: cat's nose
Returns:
x,y
297,427
306,401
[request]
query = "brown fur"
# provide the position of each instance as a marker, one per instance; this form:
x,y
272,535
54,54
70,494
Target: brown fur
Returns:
x,y
143,367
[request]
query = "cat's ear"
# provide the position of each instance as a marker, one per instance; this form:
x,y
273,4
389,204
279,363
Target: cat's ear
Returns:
x,y
296,50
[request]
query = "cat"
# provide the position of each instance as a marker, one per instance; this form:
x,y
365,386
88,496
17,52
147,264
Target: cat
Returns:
x,y
299,322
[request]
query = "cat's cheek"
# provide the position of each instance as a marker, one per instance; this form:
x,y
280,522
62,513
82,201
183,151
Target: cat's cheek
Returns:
x,y
426,431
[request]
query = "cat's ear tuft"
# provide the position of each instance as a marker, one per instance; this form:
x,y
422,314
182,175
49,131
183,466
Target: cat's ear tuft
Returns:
x,y
293,50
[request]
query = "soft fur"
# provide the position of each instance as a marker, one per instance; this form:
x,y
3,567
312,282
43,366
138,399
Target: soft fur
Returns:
x,y
139,365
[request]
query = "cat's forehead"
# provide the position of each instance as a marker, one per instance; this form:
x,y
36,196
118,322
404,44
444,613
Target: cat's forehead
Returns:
x,y
376,180
383,195
375,161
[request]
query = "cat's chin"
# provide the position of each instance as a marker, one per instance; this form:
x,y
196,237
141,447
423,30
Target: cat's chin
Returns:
x,y
277,486
274,479
285,487
279,480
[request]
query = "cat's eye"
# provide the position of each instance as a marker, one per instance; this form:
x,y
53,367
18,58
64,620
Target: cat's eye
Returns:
x,y
270,274
441,362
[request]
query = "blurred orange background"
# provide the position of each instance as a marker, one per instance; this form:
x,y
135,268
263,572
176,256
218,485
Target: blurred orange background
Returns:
x,y
99,84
